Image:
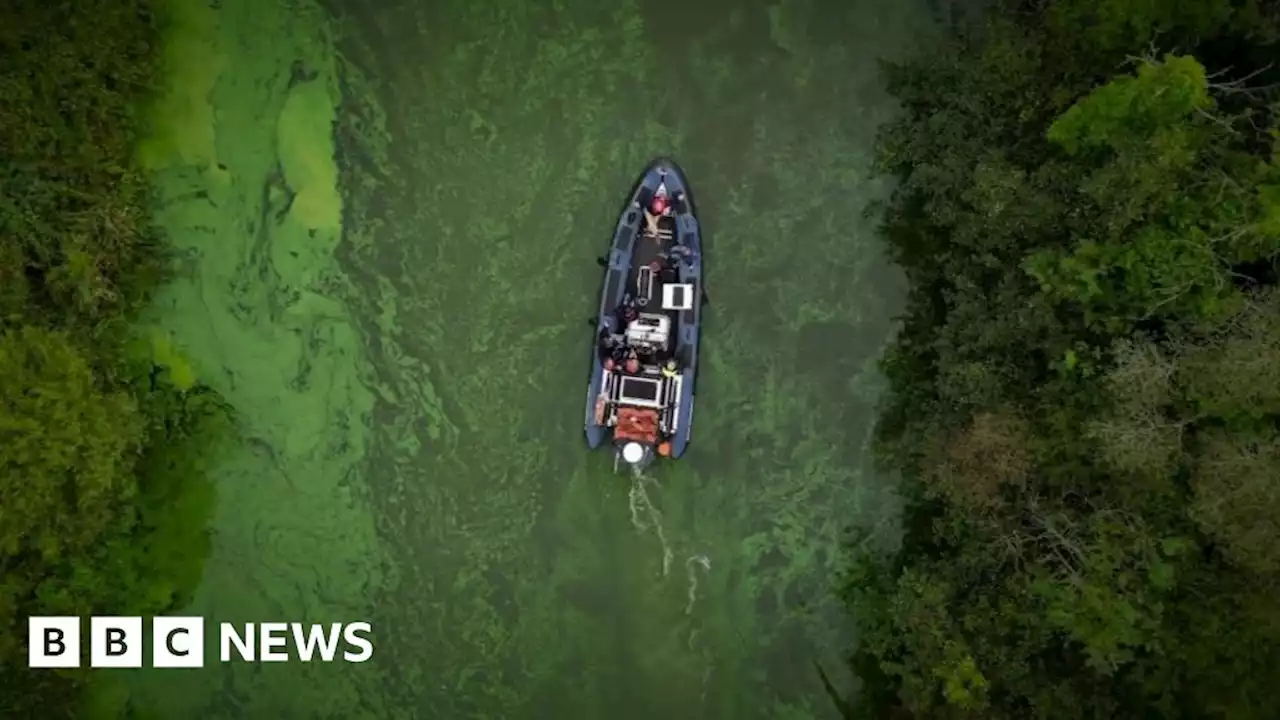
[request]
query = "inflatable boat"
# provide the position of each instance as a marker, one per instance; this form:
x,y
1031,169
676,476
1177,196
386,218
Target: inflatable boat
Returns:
x,y
644,359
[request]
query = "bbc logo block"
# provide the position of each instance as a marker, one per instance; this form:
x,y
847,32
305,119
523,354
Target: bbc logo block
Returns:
x,y
179,642
54,642
115,642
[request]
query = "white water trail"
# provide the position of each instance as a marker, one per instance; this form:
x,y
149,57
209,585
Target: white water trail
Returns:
x,y
690,567
644,515
636,501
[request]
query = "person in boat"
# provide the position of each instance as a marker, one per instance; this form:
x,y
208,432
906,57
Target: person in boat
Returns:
x,y
632,363
611,345
626,312
658,209
605,341
620,350
677,253
670,369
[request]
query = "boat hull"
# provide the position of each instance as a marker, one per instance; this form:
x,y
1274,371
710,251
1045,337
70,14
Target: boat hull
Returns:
x,y
619,280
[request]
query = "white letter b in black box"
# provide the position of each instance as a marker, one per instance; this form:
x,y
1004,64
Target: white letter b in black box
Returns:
x,y
53,642
115,642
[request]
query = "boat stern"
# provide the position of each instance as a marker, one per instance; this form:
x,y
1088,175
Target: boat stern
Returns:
x,y
635,455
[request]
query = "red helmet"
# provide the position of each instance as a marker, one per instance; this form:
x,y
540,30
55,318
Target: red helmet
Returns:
x,y
659,204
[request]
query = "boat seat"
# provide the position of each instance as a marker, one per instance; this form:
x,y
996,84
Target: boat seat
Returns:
x,y
666,228
677,296
644,285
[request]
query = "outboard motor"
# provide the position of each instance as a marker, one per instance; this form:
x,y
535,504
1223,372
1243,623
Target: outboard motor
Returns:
x,y
635,455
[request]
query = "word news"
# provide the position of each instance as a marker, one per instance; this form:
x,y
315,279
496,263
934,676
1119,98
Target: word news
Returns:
x,y
179,642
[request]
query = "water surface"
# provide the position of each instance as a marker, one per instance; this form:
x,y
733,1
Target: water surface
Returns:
x,y
388,215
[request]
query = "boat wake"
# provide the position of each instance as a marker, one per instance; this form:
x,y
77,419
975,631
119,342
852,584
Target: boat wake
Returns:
x,y
646,516
691,570
691,566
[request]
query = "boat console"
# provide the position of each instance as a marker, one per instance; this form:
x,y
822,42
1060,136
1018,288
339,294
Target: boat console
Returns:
x,y
640,391
650,333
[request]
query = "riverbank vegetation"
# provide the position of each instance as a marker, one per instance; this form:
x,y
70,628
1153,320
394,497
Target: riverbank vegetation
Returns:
x,y
1086,388
103,504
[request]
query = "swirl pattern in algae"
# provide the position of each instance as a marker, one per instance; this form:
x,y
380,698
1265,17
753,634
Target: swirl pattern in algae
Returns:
x,y
388,216
242,153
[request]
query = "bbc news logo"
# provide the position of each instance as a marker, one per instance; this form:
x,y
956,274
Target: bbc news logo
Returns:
x,y
178,642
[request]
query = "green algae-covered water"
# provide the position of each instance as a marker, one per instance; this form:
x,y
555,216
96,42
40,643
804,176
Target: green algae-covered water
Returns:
x,y
387,217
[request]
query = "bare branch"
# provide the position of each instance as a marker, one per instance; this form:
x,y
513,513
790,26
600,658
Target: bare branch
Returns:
x,y
1238,86
1218,121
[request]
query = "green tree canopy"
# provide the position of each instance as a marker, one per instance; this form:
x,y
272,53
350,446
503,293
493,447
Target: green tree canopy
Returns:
x,y
1082,394
103,497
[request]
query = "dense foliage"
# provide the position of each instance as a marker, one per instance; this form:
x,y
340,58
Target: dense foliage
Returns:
x,y
1086,388
103,504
